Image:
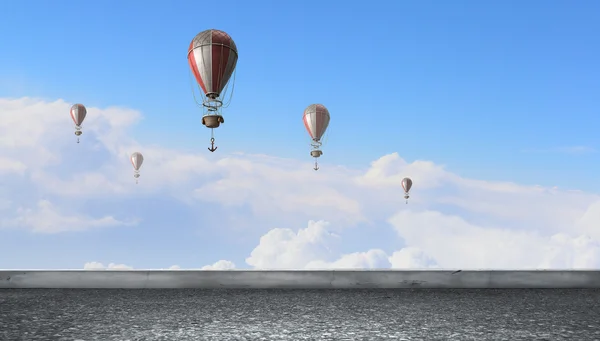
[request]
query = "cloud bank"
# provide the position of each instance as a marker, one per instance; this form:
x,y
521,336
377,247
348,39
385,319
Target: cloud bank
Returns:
x,y
219,265
450,222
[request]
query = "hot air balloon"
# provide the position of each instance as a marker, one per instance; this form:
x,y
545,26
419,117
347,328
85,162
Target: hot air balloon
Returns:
x,y
406,185
316,120
212,57
136,161
78,112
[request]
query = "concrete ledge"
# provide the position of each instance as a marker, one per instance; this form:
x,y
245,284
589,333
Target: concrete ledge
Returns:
x,y
296,279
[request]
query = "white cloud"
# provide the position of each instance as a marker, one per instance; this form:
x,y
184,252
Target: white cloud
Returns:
x,y
315,247
566,252
269,184
372,259
451,221
38,142
11,166
411,258
220,265
389,170
514,206
110,266
282,248
46,219
455,243
589,223
436,241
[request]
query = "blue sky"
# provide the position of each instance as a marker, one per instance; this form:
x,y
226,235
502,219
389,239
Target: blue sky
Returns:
x,y
493,91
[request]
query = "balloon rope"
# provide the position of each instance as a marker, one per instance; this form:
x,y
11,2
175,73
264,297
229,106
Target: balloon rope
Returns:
x,y
326,137
232,90
194,92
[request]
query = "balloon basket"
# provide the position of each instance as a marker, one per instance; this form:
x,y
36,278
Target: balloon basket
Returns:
x,y
316,153
212,121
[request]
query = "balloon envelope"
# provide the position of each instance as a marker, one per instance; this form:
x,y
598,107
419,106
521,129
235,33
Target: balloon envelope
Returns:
x,y
406,184
136,160
316,120
78,112
212,57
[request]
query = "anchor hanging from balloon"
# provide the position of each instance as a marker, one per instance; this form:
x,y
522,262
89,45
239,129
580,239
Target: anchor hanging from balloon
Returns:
x,y
212,147
212,57
316,120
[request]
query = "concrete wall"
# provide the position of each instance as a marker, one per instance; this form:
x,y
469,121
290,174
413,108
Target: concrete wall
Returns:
x,y
296,279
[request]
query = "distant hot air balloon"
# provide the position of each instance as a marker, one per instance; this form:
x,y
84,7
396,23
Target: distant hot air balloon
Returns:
x,y
212,57
406,185
78,112
136,161
316,120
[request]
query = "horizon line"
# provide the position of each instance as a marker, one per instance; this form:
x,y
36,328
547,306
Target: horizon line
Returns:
x,y
305,270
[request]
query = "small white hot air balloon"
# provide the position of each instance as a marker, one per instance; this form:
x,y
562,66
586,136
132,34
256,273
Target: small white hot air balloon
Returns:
x,y
137,159
316,120
406,185
78,112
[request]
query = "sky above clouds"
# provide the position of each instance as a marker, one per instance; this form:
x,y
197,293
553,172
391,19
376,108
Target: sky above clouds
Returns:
x,y
499,142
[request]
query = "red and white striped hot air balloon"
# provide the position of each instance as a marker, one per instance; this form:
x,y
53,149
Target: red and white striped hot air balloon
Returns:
x,y
212,56
78,113
316,120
